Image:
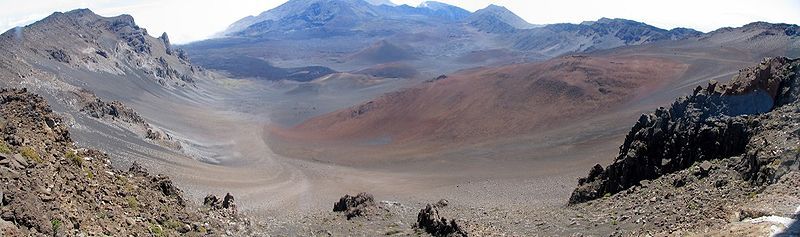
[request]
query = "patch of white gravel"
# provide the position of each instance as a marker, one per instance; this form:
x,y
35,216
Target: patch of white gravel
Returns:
x,y
779,223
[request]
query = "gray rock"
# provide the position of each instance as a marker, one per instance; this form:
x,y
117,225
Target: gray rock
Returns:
x,y
20,160
227,202
431,222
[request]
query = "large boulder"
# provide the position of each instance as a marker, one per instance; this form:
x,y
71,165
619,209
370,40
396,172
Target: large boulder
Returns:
x,y
355,206
429,220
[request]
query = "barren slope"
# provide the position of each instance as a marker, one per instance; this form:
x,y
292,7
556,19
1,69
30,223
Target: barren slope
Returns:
x,y
488,103
519,110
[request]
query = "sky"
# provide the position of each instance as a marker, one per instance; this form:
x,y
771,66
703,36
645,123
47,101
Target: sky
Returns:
x,y
191,20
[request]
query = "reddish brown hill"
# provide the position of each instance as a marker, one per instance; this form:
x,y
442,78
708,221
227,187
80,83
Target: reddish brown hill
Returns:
x,y
495,102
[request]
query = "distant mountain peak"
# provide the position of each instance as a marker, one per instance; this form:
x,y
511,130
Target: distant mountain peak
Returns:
x,y
765,29
496,7
381,2
434,5
498,19
324,18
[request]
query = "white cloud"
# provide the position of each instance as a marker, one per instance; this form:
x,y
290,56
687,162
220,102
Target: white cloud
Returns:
x,y
187,21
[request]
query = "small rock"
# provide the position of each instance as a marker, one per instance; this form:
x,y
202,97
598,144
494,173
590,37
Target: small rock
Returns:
x,y
720,183
227,202
441,203
679,182
705,166
137,169
211,201
47,197
20,159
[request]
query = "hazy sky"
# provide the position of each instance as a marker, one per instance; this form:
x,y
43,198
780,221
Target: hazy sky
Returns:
x,y
187,20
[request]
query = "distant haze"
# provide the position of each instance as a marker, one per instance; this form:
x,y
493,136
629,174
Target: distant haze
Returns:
x,y
187,21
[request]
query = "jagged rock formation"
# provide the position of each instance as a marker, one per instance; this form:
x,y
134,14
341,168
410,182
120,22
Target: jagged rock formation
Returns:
x,y
117,112
719,121
102,44
213,202
50,187
429,220
355,206
114,110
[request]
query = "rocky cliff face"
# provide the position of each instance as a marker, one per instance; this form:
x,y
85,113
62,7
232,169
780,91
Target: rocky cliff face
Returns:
x,y
69,57
744,117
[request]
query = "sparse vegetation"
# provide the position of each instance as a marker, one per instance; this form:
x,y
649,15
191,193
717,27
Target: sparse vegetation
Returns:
x,y
89,173
4,149
31,154
56,224
132,202
156,230
172,224
74,158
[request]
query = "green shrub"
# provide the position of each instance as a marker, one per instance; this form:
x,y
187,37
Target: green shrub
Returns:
x,y
56,224
31,154
89,173
156,230
4,147
132,202
74,158
172,224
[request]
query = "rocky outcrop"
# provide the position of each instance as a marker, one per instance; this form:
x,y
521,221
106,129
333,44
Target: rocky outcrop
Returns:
x,y
717,121
132,34
429,220
91,42
117,112
165,40
214,202
113,110
355,206
59,55
50,187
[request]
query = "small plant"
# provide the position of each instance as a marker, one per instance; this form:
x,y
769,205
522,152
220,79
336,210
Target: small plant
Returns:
x,y
89,173
4,147
614,222
202,229
156,230
776,162
102,215
74,158
606,195
56,224
172,224
132,202
31,154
